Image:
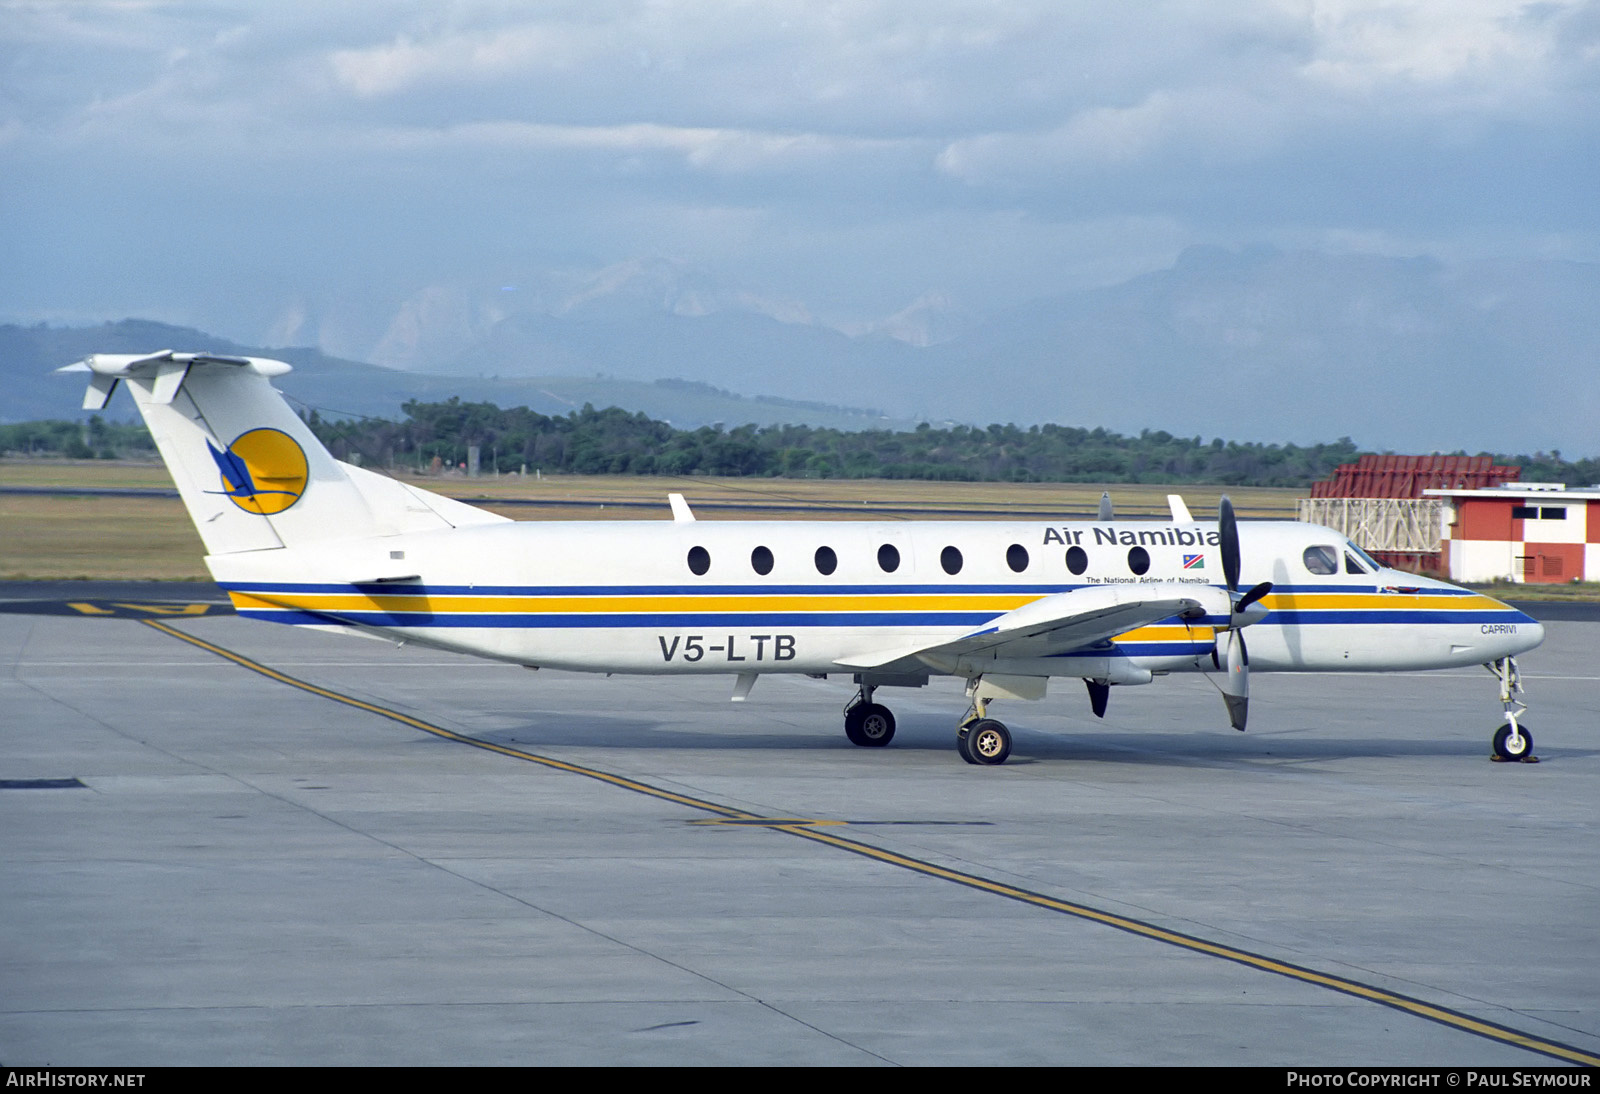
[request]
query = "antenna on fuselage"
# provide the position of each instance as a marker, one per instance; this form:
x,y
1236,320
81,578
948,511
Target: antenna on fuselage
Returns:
x,y
1106,512
681,513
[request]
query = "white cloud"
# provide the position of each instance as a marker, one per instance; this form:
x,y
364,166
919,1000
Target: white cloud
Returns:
x,y
1362,44
880,148
406,62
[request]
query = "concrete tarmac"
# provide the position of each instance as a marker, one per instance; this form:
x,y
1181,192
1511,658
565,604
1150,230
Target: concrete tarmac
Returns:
x,y
252,873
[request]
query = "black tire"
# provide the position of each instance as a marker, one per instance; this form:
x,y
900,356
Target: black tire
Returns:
x,y
961,745
1502,743
869,725
988,742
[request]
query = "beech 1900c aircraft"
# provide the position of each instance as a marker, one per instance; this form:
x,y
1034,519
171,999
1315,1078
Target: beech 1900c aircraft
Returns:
x,y
297,537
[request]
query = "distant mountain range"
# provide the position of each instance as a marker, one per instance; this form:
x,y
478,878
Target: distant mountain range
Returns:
x,y
30,389
1407,354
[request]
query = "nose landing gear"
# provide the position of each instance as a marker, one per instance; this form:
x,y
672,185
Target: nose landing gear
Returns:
x,y
1512,741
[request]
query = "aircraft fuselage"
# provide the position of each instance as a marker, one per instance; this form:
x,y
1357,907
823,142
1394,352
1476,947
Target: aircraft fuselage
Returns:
x,y
627,597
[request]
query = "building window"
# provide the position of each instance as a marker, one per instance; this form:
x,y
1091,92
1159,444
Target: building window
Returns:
x,y
761,561
1558,513
699,561
826,560
1524,512
950,559
888,558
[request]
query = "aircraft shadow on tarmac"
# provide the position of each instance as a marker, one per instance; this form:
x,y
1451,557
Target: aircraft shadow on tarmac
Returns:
x,y
925,735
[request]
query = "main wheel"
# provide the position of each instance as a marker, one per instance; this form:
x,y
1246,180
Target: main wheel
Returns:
x,y
869,725
988,742
961,745
1503,745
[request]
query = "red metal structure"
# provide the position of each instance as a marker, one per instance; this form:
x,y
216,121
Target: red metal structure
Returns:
x,y
1374,476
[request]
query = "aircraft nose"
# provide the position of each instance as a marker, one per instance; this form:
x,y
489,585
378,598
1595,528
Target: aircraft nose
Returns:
x,y
1531,632
1519,633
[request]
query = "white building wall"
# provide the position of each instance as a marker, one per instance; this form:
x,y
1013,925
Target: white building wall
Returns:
x,y
1570,530
1479,560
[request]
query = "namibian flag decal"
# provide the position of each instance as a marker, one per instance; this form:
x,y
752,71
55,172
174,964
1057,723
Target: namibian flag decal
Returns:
x,y
1194,562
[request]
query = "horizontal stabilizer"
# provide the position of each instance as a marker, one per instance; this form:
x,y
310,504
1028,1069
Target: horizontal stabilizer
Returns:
x,y
251,472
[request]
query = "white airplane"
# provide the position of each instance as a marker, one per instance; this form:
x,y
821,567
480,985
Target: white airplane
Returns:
x,y
295,536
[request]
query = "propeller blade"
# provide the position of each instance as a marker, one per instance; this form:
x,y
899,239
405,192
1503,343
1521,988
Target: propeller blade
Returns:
x,y
1106,512
1236,679
1228,531
1252,596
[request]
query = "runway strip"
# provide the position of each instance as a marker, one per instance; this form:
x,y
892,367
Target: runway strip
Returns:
x,y
812,829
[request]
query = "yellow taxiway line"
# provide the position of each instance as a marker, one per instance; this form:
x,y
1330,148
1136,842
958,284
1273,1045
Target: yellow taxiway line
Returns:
x,y
812,829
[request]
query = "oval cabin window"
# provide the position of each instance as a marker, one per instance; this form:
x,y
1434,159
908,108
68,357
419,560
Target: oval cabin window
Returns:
x,y
950,559
827,561
1138,560
888,558
761,561
1077,560
1017,558
699,561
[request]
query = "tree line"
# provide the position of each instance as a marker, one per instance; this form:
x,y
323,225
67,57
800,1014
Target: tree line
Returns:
x,y
616,442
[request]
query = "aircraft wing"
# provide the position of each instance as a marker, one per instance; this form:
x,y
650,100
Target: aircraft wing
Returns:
x,y
1054,624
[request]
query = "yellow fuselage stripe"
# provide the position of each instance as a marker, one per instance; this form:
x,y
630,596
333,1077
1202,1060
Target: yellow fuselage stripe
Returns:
x,y
748,602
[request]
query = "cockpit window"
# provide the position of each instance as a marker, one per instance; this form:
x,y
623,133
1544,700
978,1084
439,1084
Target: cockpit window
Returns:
x,y
1321,560
1351,566
1372,564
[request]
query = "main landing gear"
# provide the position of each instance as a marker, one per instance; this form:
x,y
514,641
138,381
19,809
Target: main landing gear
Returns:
x,y
1512,741
982,740
866,723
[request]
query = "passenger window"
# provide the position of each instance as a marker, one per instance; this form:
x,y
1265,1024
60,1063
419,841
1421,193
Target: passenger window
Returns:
x,y
1321,560
761,561
950,559
826,560
1017,558
1077,560
888,558
699,561
1138,560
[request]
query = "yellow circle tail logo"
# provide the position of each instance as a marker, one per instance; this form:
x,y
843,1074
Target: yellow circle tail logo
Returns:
x,y
264,471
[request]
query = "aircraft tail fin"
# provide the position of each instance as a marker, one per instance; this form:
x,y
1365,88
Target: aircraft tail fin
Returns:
x,y
251,473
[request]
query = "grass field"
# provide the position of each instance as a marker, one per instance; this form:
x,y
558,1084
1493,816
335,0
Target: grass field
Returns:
x,y
109,537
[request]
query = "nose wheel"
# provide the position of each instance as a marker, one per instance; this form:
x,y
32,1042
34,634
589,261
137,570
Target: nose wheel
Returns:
x,y
1514,744
1512,741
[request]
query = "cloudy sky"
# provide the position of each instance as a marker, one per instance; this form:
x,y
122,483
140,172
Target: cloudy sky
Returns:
x,y
223,164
